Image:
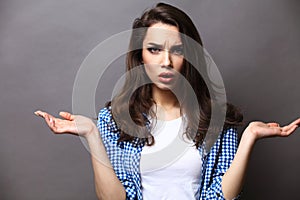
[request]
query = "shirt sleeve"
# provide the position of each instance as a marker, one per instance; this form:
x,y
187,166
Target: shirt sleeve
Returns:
x,y
110,136
217,162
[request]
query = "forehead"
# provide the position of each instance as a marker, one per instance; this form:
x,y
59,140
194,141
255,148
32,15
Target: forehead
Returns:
x,y
162,33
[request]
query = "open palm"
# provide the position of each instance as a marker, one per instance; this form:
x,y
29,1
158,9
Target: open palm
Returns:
x,y
71,124
263,130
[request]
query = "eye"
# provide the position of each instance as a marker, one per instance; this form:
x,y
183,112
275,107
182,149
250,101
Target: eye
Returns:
x,y
154,50
177,50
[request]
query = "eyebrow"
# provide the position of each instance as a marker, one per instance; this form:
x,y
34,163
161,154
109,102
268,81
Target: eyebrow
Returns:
x,y
160,46
155,45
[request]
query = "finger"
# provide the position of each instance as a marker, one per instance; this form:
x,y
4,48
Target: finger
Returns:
x,y
50,122
291,125
47,120
296,122
286,131
67,115
40,113
57,125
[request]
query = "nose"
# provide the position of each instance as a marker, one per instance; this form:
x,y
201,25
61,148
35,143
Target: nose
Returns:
x,y
166,60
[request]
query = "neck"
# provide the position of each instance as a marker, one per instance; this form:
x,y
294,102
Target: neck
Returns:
x,y
168,107
164,98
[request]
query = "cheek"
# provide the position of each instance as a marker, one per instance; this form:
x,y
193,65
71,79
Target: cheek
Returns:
x,y
178,64
149,70
150,67
143,55
146,56
149,58
152,72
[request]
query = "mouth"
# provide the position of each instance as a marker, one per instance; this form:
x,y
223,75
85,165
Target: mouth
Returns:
x,y
166,77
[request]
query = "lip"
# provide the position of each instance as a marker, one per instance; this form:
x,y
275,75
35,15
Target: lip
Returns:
x,y
166,77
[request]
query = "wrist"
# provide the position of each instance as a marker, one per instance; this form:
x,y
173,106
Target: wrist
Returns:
x,y
249,137
93,133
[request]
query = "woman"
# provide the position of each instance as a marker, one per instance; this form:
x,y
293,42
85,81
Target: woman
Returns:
x,y
160,71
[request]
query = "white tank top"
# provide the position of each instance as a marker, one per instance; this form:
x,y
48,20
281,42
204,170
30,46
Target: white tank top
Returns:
x,y
171,168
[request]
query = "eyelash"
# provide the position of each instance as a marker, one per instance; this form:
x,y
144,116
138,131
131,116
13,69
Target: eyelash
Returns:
x,y
154,50
175,51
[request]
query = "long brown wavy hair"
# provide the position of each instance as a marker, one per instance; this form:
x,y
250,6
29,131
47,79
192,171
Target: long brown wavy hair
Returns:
x,y
135,97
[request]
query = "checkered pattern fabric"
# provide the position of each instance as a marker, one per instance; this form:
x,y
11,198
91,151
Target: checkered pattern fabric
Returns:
x,y
216,163
125,159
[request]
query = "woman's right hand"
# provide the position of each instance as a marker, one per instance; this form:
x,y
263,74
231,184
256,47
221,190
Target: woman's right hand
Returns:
x,y
70,124
106,182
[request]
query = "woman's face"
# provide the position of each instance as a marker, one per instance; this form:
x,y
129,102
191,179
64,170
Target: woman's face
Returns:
x,y
162,55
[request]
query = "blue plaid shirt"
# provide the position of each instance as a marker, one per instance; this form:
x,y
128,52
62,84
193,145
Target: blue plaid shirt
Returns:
x,y
125,159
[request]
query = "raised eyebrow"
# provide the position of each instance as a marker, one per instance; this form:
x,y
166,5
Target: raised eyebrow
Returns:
x,y
159,45
177,46
155,45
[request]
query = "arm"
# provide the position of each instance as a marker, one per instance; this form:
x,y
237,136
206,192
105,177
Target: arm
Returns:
x,y
107,184
216,163
123,156
234,177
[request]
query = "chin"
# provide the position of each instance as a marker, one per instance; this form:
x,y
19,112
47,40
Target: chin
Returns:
x,y
164,87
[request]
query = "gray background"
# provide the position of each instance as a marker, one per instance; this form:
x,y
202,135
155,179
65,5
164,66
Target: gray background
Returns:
x,y
255,44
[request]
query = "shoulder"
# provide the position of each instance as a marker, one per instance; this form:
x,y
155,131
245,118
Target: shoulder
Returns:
x,y
105,114
105,119
228,138
229,143
230,134
221,154
213,142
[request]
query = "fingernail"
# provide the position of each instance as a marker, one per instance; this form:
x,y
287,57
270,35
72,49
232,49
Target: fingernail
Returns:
x,y
37,113
51,120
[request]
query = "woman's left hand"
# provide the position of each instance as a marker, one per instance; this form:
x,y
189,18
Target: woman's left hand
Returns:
x,y
234,177
263,130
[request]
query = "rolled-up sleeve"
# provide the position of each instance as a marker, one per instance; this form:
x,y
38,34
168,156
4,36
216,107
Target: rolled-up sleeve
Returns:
x,y
115,152
216,164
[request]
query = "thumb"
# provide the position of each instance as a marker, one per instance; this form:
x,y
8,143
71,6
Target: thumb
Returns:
x,y
67,115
